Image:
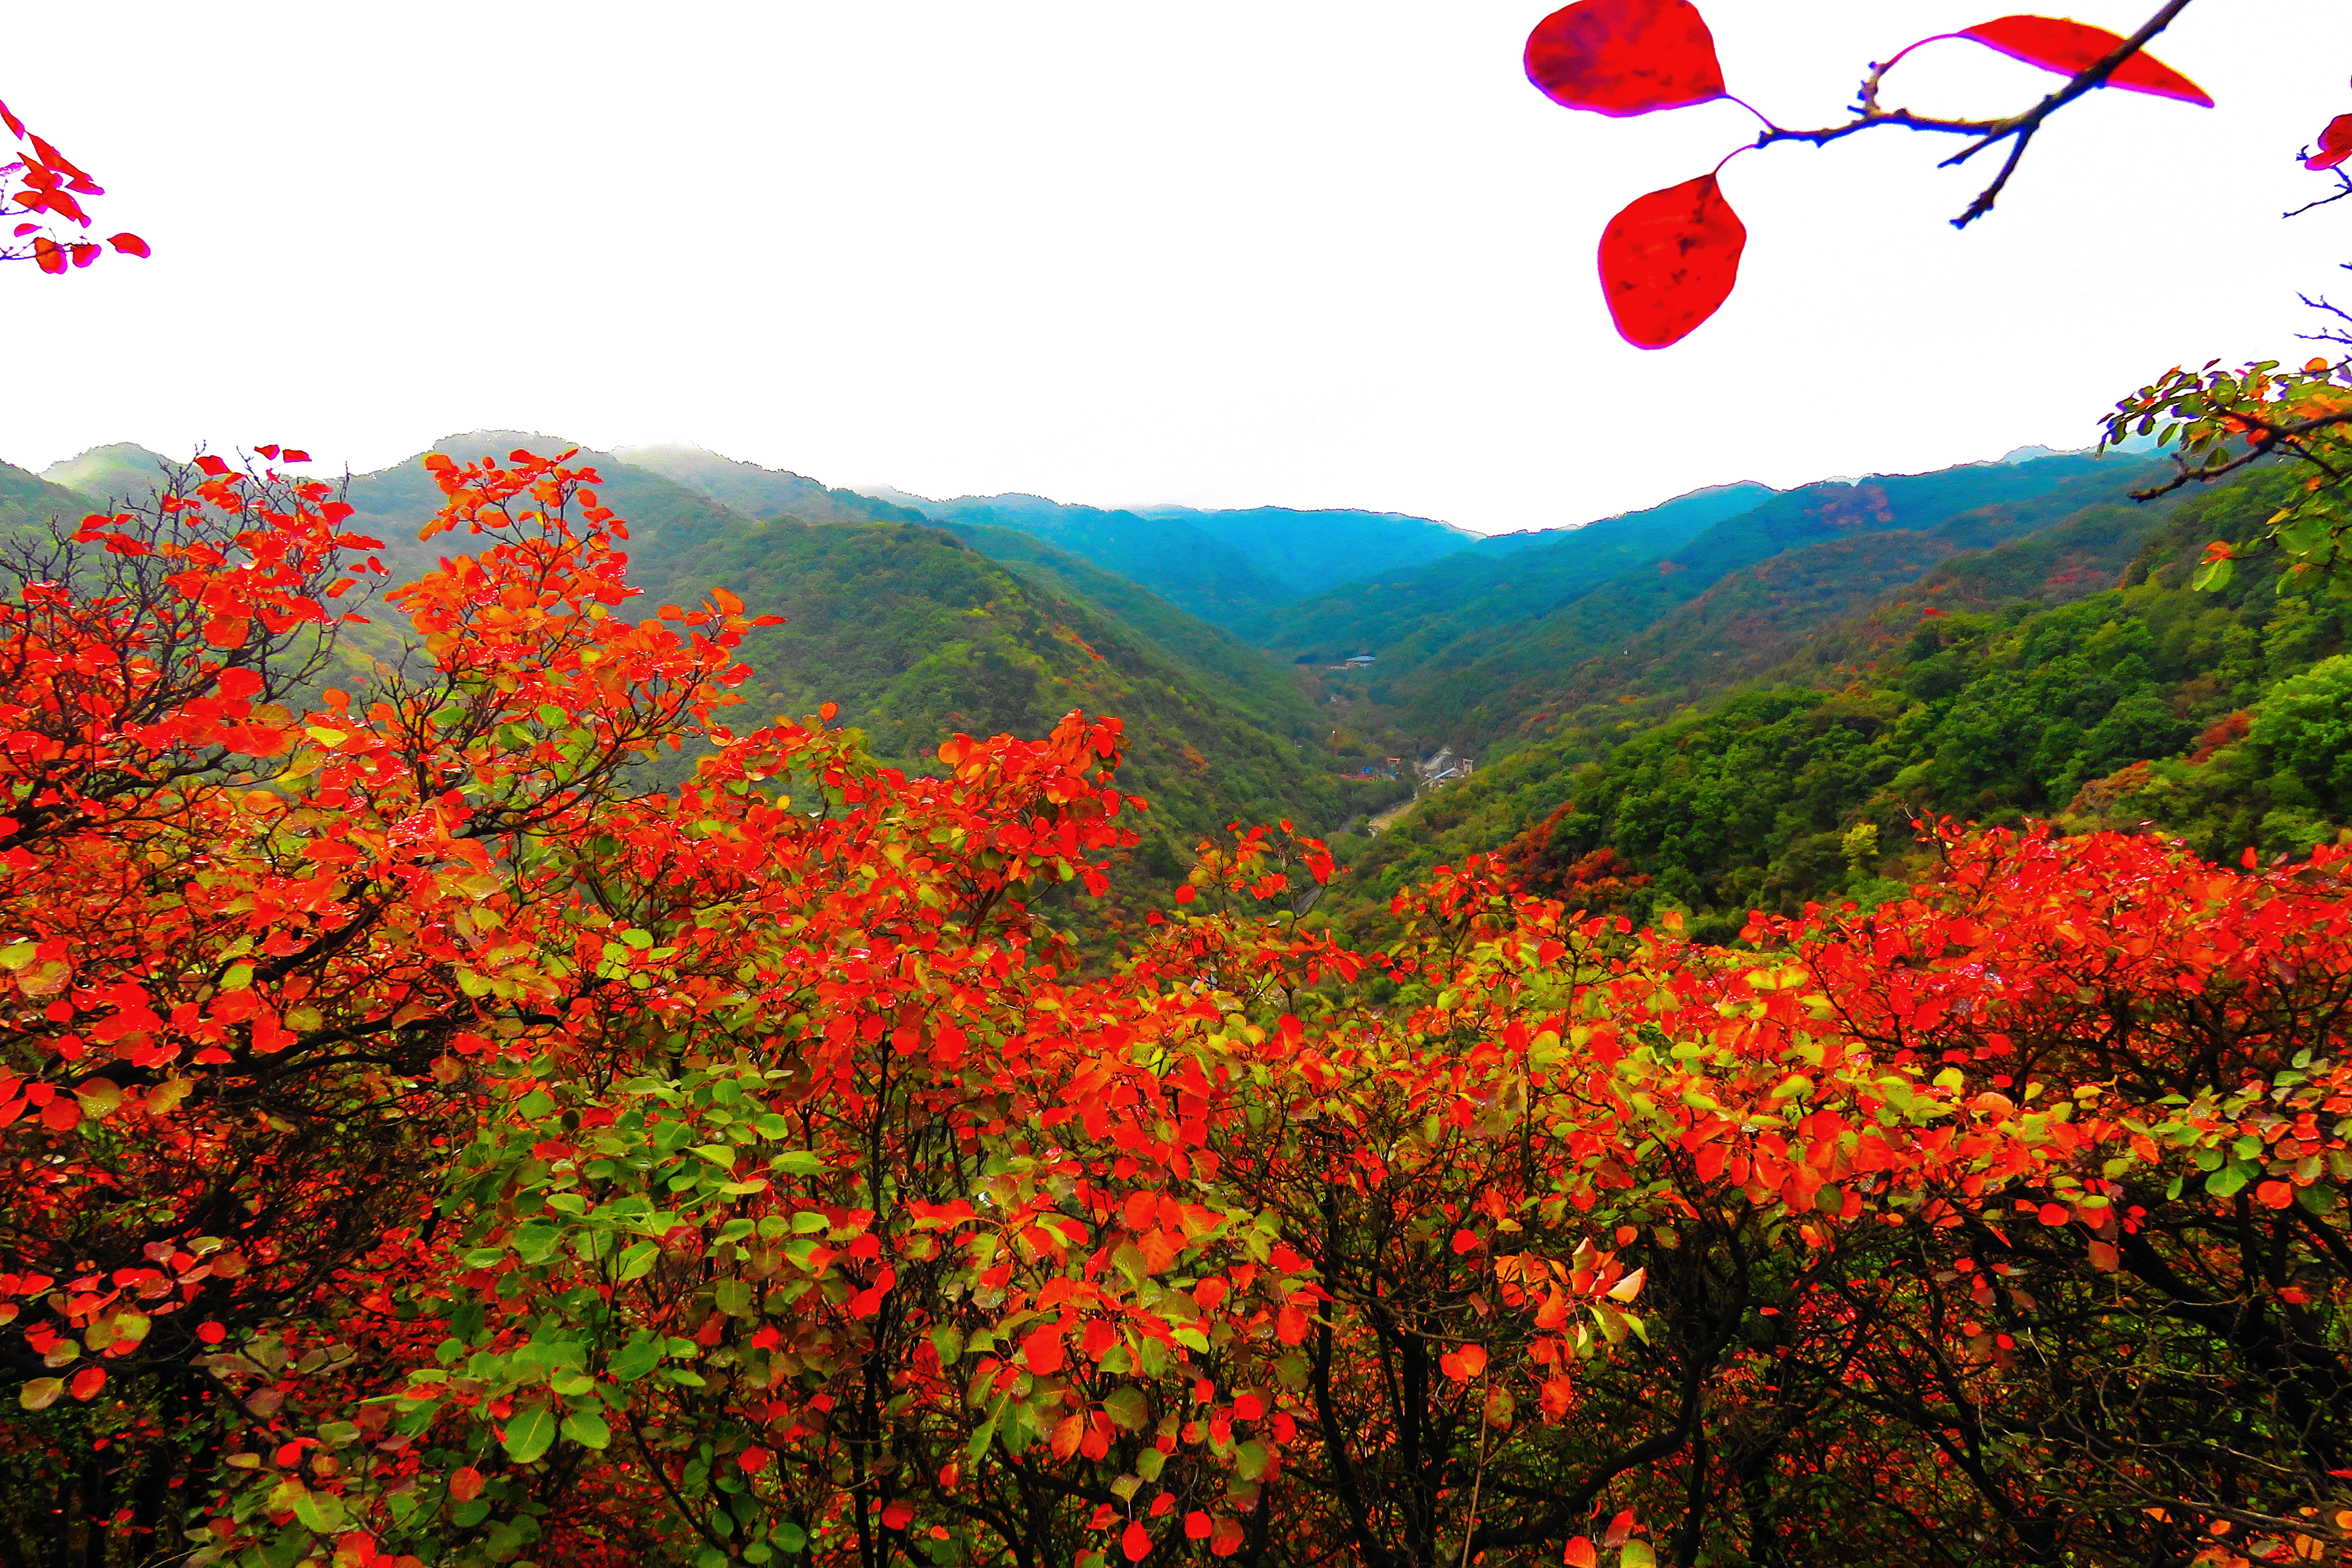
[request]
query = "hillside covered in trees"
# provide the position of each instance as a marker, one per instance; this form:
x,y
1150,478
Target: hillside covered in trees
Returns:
x,y
534,1160
565,1009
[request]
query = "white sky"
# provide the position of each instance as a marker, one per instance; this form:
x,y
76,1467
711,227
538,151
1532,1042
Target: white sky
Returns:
x,y
1233,252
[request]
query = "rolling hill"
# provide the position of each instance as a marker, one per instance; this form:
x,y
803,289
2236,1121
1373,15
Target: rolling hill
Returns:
x,y
1186,566
1414,617
2069,674
761,493
916,634
29,499
1492,686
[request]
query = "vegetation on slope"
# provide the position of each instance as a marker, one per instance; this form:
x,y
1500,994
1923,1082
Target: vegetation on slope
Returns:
x,y
758,492
1199,574
27,498
2223,718
1316,550
1524,672
1268,693
917,637
1462,600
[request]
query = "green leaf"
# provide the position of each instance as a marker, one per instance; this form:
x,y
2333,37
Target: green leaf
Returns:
x,y
639,1259
1126,1407
41,1392
720,1155
530,1435
1637,1554
636,1358
798,1163
321,1512
587,1429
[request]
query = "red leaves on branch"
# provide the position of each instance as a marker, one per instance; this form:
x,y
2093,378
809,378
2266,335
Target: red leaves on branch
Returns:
x,y
2334,144
1623,58
2070,47
49,183
1668,261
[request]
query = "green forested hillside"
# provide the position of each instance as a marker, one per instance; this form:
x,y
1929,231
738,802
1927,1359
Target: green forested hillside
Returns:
x,y
758,492
1495,689
1197,574
1268,693
1314,551
1465,599
2225,717
2046,549
27,498
122,471
915,636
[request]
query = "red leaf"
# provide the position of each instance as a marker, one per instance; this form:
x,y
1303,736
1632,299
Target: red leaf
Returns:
x,y
51,258
268,451
1668,261
2334,144
55,159
24,228
1135,1542
129,244
465,1484
10,121
1464,1365
83,255
293,455
87,1383
1625,56
211,1333
2068,47
211,466
1579,1553
897,1515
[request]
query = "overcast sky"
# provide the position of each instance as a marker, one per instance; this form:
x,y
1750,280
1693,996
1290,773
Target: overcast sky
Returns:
x,y
1234,252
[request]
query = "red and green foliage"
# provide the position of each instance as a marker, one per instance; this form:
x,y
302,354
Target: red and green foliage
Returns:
x,y
426,1143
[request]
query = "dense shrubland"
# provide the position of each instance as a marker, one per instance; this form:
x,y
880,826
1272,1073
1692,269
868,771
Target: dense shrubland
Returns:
x,y
428,1145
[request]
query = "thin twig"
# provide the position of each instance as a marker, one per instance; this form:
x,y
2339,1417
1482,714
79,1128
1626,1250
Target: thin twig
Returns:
x,y
2018,129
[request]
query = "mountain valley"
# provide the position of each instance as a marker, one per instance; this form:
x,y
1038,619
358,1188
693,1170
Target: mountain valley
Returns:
x,y
1739,698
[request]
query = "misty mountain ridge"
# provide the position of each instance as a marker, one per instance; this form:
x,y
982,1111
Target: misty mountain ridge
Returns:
x,y
1233,641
